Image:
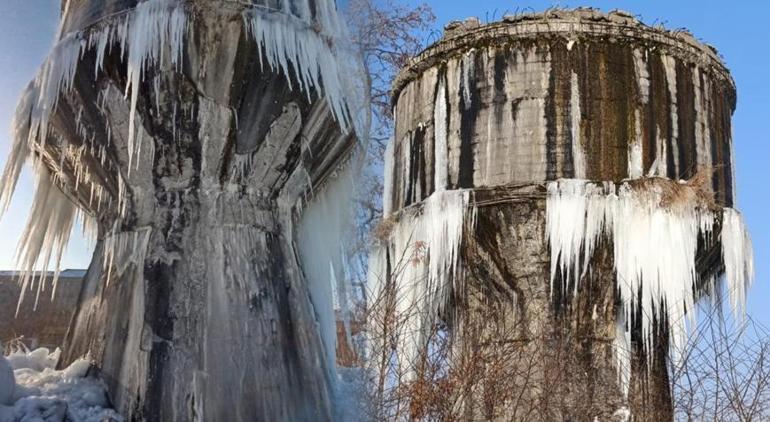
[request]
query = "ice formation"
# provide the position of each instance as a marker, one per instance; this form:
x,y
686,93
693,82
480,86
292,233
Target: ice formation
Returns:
x,y
46,234
655,245
736,252
424,256
578,155
306,47
387,189
441,146
122,249
41,393
321,235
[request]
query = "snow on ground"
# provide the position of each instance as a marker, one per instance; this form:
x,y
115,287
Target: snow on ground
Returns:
x,y
32,390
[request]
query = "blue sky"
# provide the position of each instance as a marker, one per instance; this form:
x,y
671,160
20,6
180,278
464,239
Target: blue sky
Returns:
x,y
27,29
738,29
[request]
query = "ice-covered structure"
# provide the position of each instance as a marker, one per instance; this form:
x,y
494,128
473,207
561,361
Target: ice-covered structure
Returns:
x,y
589,158
191,137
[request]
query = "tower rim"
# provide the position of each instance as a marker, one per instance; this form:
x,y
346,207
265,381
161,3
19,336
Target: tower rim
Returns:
x,y
571,25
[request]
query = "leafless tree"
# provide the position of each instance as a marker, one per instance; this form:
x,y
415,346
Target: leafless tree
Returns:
x,y
724,370
487,367
387,33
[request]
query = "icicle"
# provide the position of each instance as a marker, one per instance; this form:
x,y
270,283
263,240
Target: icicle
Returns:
x,y
125,248
738,256
302,55
468,75
655,248
444,217
20,152
153,26
578,155
152,35
660,166
145,34
622,351
642,75
425,257
46,234
321,232
387,192
635,152
441,147
565,227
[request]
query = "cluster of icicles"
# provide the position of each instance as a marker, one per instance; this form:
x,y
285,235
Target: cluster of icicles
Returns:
x,y
421,256
302,45
655,246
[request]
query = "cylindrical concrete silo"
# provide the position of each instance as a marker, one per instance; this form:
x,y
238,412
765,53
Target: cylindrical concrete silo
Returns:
x,y
527,274
197,137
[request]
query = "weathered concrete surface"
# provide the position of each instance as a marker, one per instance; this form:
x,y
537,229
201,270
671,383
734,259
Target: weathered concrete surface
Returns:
x,y
195,306
46,325
532,99
539,86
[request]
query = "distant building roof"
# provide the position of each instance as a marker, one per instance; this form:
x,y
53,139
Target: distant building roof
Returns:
x,y
62,274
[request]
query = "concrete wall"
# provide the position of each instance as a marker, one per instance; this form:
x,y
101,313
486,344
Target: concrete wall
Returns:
x,y
45,326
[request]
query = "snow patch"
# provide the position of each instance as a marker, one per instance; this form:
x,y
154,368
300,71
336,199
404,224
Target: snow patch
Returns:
x,y
7,382
41,393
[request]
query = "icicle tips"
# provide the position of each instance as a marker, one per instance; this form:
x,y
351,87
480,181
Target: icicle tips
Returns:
x,y
656,245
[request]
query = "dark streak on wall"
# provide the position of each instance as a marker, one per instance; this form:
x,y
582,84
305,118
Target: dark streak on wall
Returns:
x,y
468,114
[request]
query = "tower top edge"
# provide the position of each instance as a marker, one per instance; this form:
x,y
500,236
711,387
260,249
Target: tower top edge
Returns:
x,y
572,25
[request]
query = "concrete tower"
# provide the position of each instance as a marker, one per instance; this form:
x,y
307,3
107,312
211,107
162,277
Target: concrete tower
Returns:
x,y
558,195
199,140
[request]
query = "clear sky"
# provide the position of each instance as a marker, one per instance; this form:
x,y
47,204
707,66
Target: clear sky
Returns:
x,y
738,29
27,29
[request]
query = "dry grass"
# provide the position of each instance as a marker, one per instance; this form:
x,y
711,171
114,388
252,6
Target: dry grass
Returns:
x,y
383,229
675,194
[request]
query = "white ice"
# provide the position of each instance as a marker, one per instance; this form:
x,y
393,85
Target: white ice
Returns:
x,y
425,259
655,247
321,235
